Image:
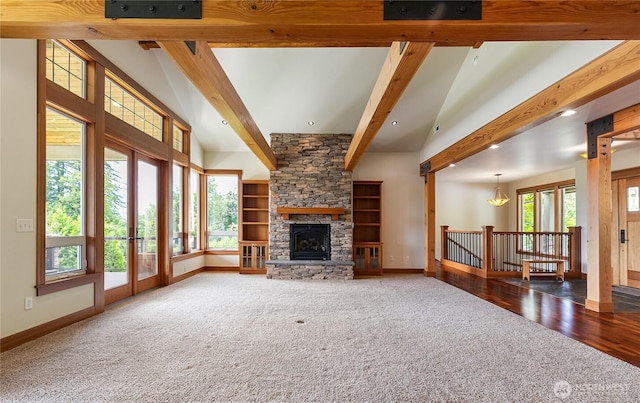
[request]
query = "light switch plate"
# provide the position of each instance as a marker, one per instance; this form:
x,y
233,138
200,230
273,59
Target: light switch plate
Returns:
x,y
24,225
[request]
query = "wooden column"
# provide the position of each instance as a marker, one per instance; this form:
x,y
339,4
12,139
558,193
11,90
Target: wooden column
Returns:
x,y
487,248
430,224
444,252
599,272
575,253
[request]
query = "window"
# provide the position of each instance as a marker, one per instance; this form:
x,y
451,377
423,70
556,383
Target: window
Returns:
x,y
222,211
131,109
568,208
64,68
194,210
546,208
178,139
177,210
65,211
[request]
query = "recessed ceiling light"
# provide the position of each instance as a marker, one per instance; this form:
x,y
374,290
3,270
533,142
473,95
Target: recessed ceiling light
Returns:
x,y
311,123
452,165
494,146
568,112
395,122
224,122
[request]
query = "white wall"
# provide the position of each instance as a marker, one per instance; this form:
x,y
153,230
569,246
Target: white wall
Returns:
x,y
463,206
506,74
402,205
18,198
252,167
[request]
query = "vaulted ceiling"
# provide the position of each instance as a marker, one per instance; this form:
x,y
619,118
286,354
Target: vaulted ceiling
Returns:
x,y
340,67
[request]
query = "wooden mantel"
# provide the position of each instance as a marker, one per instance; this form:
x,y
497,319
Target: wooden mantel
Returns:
x,y
333,212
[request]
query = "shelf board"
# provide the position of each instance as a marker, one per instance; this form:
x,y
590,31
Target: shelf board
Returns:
x,y
366,210
333,212
367,224
255,223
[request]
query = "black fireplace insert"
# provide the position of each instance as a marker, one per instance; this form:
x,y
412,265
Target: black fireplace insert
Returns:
x,y
310,242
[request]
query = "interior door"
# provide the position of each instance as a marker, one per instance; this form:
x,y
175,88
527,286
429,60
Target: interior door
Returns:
x,y
629,231
130,223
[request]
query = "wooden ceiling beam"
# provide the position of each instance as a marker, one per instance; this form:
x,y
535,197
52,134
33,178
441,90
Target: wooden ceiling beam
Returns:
x,y
607,73
146,45
207,75
402,62
322,21
626,123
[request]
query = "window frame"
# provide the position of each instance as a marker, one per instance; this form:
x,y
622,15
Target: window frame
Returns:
x,y
205,211
51,95
99,126
558,189
78,240
200,203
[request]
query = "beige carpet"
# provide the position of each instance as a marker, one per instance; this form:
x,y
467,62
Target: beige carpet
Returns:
x,y
229,337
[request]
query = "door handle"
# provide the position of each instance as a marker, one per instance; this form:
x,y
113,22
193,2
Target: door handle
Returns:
x,y
622,236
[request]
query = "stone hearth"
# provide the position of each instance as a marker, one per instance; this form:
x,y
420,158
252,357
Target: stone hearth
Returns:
x,y
310,175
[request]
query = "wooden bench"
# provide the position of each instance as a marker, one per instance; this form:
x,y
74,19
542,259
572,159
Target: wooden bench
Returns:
x,y
527,273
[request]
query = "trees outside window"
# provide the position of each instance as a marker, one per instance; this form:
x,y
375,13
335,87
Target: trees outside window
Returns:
x,y
64,209
546,208
177,210
194,210
222,212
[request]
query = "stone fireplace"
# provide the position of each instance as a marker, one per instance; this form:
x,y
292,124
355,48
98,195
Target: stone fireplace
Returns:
x,y
310,193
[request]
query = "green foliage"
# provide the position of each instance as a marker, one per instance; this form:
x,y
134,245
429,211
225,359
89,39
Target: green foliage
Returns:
x,y
527,212
115,226
222,215
569,210
63,208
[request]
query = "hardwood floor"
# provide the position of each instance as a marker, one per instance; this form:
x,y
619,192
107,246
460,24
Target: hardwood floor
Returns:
x,y
616,334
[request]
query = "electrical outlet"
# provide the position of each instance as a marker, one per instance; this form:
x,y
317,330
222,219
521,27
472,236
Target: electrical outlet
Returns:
x,y
184,268
28,303
391,258
406,258
24,225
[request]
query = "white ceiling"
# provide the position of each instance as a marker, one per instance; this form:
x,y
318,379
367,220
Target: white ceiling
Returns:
x,y
456,90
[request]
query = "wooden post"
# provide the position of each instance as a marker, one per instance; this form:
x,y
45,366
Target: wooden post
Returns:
x,y
444,252
599,271
487,248
575,250
430,224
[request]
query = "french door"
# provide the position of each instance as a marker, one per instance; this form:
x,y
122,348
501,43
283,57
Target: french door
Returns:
x,y
131,237
626,253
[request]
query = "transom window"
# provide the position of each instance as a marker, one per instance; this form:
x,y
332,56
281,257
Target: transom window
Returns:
x,y
65,68
178,139
125,106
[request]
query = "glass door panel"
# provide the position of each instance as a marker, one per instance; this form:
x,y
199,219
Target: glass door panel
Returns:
x,y
147,227
116,219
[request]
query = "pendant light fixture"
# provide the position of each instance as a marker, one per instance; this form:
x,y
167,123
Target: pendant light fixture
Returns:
x,y
498,197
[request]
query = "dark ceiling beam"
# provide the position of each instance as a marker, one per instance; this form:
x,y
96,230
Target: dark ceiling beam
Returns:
x,y
323,21
207,75
613,70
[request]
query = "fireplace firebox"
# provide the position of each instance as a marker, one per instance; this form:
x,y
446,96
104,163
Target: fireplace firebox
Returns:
x,y
310,242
